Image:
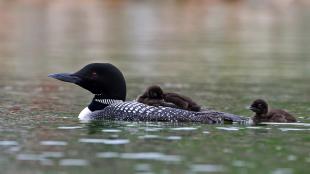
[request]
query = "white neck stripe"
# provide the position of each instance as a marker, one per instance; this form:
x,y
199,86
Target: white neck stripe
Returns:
x,y
108,101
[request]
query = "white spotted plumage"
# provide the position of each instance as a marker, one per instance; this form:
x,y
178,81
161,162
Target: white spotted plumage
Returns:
x,y
134,111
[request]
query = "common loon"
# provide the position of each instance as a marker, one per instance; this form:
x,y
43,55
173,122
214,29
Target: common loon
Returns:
x,y
262,114
108,85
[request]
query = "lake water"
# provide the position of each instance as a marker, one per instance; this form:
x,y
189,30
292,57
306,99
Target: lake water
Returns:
x,y
224,54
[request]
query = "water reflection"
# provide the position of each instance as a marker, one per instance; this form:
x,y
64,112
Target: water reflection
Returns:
x,y
147,33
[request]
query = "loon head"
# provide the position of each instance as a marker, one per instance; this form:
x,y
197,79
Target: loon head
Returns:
x,y
102,79
259,106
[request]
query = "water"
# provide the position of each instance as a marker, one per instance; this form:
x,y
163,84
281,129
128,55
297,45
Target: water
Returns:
x,y
224,54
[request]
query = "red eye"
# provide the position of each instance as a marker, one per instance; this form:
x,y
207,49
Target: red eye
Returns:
x,y
93,75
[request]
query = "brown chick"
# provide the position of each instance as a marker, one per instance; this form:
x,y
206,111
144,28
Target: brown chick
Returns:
x,y
262,114
154,96
181,101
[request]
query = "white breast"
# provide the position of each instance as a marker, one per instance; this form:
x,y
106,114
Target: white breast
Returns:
x,y
85,114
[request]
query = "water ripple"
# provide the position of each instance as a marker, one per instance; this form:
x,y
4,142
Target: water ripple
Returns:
x,y
229,128
52,154
107,155
291,158
111,130
29,157
46,162
282,171
140,156
35,157
150,156
143,167
257,127
239,163
207,168
69,127
292,124
293,129
173,138
153,129
184,128
53,143
148,137
8,143
104,141
73,162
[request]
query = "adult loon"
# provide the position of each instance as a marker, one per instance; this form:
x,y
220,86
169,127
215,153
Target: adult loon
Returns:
x,y
108,85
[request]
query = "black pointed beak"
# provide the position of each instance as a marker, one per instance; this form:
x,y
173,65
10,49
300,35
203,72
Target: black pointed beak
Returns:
x,y
252,108
66,77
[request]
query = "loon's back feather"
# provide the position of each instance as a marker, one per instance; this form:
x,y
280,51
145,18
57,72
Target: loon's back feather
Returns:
x,y
134,111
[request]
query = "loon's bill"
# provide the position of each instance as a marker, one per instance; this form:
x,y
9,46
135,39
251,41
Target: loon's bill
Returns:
x,y
108,85
66,77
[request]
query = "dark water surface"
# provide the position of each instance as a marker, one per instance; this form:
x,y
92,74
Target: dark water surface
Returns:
x,y
224,54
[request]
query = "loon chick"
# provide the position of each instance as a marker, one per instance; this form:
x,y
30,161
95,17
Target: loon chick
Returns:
x,y
181,101
154,96
262,114
108,85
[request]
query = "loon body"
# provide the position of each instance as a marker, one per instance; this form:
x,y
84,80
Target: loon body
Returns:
x,y
109,86
135,111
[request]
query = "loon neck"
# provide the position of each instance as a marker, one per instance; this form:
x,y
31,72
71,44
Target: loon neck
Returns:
x,y
100,101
